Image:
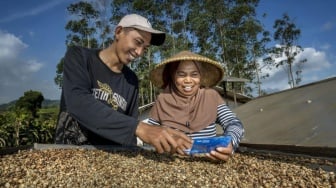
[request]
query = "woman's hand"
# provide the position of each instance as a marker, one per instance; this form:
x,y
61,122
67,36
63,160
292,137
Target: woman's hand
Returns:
x,y
221,153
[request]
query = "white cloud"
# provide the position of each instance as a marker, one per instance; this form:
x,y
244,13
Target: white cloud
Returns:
x,y
316,60
17,74
10,45
32,66
316,68
327,26
325,46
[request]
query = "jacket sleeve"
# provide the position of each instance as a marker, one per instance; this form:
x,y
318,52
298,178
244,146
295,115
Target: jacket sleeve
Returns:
x,y
231,125
91,113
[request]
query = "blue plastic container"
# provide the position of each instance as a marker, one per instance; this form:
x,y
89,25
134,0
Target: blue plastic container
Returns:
x,y
206,145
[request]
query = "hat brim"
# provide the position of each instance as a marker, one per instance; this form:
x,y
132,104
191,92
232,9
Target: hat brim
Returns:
x,y
212,71
158,37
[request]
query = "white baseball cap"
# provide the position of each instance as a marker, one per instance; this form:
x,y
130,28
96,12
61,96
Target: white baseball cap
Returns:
x,y
141,23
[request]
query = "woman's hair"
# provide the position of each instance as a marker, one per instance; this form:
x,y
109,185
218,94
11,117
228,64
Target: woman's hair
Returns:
x,y
170,71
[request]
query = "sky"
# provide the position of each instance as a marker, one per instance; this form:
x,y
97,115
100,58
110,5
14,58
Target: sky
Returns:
x,y
32,42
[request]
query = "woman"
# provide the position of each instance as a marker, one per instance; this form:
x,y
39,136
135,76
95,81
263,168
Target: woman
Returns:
x,y
189,104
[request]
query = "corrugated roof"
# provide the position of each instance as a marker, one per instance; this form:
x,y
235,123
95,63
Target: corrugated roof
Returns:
x,y
303,116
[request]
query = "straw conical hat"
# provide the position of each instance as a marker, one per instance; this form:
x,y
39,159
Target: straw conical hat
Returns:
x,y
212,71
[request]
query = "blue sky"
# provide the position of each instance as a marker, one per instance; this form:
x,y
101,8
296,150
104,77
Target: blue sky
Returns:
x,y
32,41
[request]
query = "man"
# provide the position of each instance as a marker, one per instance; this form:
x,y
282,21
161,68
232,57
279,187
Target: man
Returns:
x,y
99,102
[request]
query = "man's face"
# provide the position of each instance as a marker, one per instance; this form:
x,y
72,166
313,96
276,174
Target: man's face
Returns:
x,y
187,78
132,43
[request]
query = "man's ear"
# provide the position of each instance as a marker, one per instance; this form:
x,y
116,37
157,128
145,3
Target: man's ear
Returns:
x,y
117,32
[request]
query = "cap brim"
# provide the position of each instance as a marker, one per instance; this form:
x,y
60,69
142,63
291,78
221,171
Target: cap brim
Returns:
x,y
158,37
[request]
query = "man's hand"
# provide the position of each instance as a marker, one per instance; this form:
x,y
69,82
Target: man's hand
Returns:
x,y
182,143
221,153
164,139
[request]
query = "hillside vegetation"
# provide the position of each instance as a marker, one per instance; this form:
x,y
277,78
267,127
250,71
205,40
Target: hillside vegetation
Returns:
x,y
28,120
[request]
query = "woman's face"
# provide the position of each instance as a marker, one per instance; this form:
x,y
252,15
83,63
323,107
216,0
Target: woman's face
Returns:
x,y
187,78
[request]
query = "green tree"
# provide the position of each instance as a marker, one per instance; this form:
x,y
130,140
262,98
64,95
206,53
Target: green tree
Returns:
x,y
82,28
102,23
287,34
14,124
59,74
17,127
30,101
26,122
259,51
6,129
227,31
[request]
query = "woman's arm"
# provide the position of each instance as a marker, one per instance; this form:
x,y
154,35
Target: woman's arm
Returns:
x,y
231,125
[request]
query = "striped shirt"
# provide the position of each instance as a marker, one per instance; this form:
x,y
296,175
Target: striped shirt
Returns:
x,y
231,125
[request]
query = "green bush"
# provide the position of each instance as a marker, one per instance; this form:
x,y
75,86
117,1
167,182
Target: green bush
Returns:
x,y
19,127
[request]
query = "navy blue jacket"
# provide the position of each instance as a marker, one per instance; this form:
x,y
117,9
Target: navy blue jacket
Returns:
x,y
102,101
